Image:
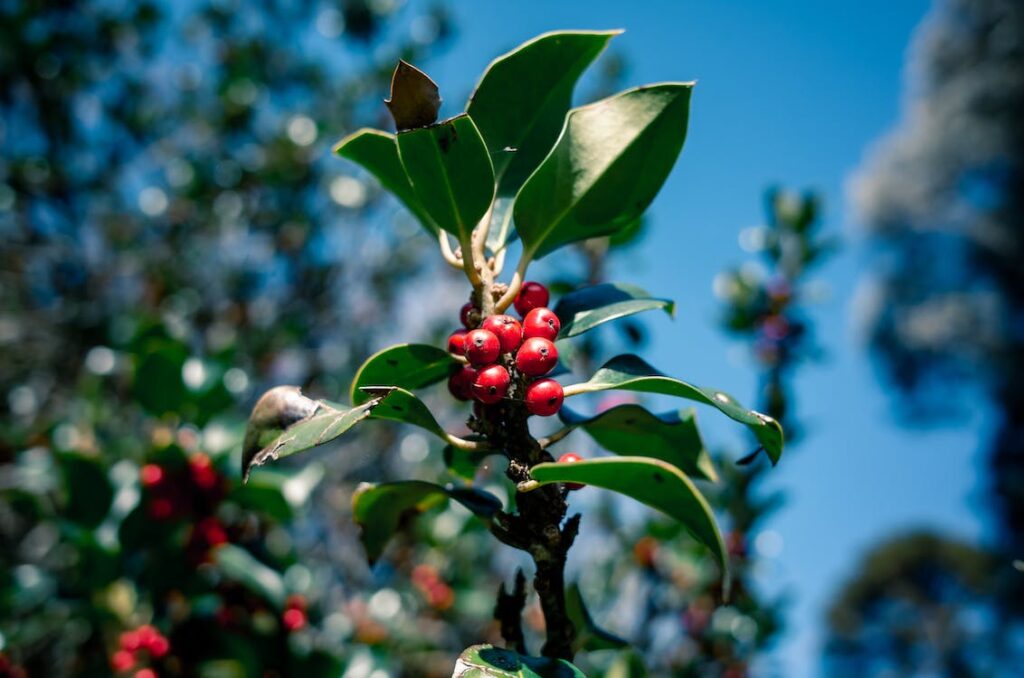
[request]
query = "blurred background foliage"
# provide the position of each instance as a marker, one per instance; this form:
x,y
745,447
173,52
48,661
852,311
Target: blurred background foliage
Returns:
x,y
176,238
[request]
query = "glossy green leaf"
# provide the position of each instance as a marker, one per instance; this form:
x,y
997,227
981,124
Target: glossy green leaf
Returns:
x,y
407,366
605,169
632,430
377,153
631,373
402,406
240,566
653,482
487,661
589,307
451,173
278,492
589,636
284,422
381,509
523,96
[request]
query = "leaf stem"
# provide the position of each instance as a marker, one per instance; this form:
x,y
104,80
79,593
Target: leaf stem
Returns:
x,y
574,389
555,437
463,444
446,249
515,284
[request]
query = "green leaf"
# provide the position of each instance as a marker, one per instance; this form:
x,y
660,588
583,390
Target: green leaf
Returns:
x,y
631,373
407,366
500,232
284,422
632,430
463,463
377,153
89,490
589,307
588,636
241,566
523,96
414,100
605,169
450,172
653,482
487,661
380,510
402,406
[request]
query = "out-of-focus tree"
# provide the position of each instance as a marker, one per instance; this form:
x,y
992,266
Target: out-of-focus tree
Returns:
x,y
943,200
921,604
175,235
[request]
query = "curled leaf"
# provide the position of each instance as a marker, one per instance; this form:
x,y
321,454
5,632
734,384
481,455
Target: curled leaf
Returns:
x,y
415,100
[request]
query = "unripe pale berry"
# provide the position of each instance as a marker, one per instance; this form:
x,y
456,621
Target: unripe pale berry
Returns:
x,y
531,295
569,458
457,342
536,357
507,329
491,384
460,384
482,347
544,397
541,322
464,314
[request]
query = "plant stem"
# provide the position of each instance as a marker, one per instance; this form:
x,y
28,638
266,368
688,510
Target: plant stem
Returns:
x,y
515,284
509,612
537,526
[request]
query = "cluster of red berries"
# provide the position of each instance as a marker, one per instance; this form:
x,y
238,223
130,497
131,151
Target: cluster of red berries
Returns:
x,y
137,645
170,494
294,617
503,347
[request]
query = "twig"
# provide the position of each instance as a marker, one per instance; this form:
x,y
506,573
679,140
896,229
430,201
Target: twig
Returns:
x,y
508,610
446,249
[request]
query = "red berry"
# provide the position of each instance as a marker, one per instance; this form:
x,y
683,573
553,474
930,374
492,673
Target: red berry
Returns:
x,y
507,329
482,347
161,508
294,619
464,314
147,634
531,295
158,647
145,673
460,384
569,458
541,322
130,641
457,342
296,601
203,474
122,660
212,532
544,397
536,357
491,384
151,475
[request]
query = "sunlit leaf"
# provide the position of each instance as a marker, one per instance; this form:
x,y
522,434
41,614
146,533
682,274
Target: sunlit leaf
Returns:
x,y
381,509
589,307
450,172
377,153
631,373
407,366
487,661
634,431
605,169
523,96
653,482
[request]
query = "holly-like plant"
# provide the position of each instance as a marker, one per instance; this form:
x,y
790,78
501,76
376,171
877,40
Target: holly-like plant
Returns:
x,y
521,165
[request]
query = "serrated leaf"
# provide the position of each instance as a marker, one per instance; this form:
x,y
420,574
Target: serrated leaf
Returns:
x,y
653,482
589,636
605,169
284,422
407,366
239,565
377,153
632,373
487,661
589,307
381,509
450,172
414,100
523,96
634,431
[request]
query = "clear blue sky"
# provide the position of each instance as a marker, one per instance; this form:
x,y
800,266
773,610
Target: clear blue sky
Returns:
x,y
788,92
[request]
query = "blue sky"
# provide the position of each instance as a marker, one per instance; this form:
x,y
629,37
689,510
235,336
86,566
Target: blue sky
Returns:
x,y
791,93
